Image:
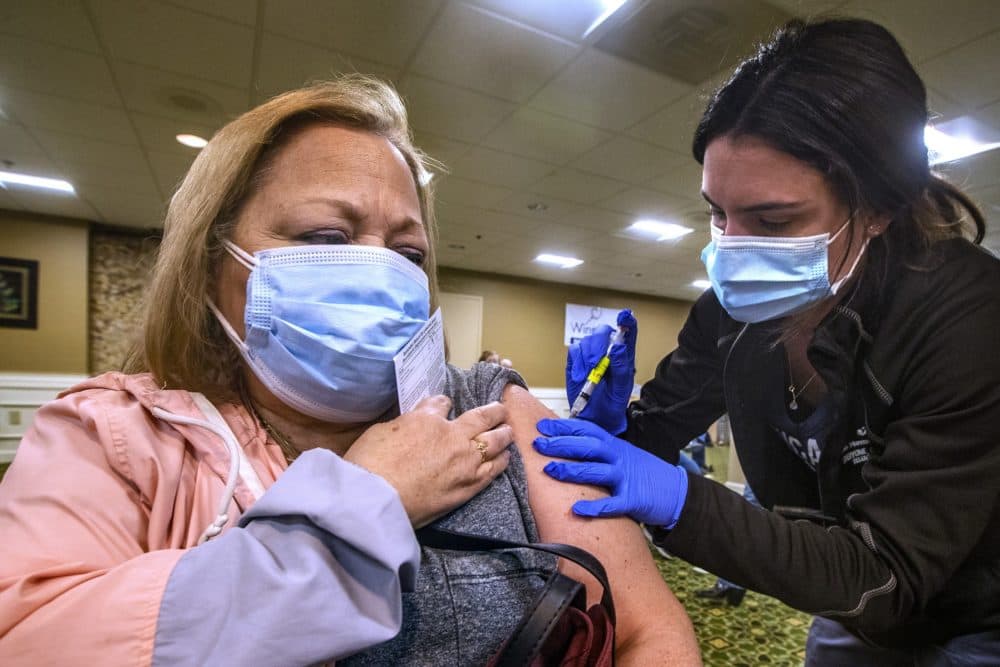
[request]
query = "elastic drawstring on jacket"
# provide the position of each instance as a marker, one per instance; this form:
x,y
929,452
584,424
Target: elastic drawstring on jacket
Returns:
x,y
227,437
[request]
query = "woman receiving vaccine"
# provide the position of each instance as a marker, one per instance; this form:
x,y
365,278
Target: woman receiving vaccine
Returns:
x,y
851,334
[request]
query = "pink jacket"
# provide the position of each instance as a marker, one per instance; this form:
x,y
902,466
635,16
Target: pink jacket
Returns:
x,y
101,512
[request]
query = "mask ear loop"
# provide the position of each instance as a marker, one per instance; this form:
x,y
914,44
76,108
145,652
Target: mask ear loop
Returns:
x,y
240,255
250,263
228,328
857,260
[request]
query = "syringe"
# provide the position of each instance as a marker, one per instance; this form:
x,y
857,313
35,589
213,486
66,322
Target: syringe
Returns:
x,y
595,375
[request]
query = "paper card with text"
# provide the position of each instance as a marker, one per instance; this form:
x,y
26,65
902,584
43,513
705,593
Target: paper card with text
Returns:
x,y
420,367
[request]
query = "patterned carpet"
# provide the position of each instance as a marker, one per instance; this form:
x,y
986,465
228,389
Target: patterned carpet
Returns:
x,y
761,631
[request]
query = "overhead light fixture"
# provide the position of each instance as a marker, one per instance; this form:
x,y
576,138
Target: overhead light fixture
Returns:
x,y
610,7
661,231
192,140
701,284
559,260
12,178
955,140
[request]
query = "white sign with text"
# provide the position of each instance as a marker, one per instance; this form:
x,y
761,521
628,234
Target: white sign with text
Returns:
x,y
583,320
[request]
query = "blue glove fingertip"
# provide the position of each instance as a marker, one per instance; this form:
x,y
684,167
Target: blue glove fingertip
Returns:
x,y
586,508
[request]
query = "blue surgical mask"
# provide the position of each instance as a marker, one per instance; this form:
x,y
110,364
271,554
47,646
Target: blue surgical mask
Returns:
x,y
323,323
760,278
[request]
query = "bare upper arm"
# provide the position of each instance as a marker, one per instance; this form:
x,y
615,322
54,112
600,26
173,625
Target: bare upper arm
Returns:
x,y
650,619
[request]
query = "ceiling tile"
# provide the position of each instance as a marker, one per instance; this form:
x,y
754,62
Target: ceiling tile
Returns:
x,y
990,115
169,170
644,202
557,234
940,108
286,64
49,112
683,180
926,28
15,140
30,161
478,220
456,190
629,160
237,11
613,245
80,150
807,7
540,208
485,52
160,134
498,168
975,172
674,126
62,22
451,112
176,40
87,176
171,95
120,207
544,137
577,186
960,74
386,31
57,204
599,219
443,150
605,91
51,69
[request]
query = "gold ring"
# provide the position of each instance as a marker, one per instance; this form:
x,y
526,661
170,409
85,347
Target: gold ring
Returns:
x,y
482,447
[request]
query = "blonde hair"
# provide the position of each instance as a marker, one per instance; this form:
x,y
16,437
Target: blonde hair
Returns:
x,y
182,343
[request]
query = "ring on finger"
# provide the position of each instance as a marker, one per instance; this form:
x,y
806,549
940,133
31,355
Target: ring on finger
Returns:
x,y
482,447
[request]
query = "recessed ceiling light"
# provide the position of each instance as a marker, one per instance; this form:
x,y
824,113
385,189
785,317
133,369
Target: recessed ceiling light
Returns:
x,y
610,7
661,231
192,140
701,284
12,178
955,140
559,260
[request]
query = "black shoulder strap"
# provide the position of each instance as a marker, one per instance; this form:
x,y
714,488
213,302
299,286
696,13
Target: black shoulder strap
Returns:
x,y
442,538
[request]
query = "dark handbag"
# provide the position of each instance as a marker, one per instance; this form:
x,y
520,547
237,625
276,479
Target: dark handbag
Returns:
x,y
558,629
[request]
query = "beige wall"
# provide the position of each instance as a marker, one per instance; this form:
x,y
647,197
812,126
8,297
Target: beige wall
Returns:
x,y
59,344
524,320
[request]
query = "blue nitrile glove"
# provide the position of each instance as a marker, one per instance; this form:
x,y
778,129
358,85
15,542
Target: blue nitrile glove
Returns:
x,y
642,486
608,403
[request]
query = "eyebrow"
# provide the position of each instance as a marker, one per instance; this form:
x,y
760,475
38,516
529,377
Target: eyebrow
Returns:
x,y
763,206
350,211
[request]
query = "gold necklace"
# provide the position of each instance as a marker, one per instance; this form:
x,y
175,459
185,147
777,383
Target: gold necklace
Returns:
x,y
288,448
794,404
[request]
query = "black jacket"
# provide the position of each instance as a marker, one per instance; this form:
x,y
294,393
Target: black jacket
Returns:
x,y
909,479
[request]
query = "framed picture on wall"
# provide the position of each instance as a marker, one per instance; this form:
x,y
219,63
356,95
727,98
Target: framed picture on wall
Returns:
x,y
18,293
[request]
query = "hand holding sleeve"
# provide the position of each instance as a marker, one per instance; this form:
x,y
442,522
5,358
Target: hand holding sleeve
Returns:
x,y
642,486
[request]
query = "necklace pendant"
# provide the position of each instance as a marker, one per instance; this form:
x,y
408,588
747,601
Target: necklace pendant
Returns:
x,y
793,405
